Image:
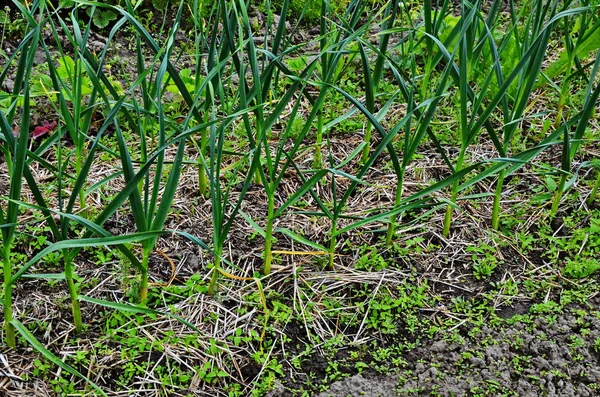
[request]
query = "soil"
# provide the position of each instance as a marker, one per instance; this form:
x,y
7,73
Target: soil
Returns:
x,y
530,352
522,360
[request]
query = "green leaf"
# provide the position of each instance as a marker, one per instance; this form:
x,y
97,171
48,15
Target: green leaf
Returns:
x,y
590,43
85,242
50,356
46,276
301,240
306,186
255,226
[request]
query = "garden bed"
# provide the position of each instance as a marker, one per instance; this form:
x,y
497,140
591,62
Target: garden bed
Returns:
x,y
265,210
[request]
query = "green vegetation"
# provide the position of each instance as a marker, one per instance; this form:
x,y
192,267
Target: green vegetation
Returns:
x,y
350,179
